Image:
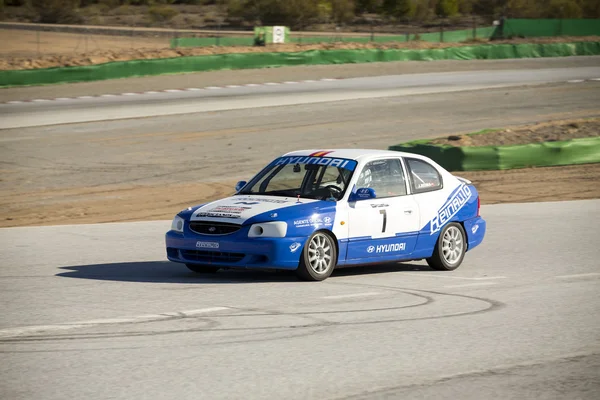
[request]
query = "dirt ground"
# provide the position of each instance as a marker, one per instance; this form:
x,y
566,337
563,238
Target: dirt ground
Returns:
x,y
24,44
139,203
145,203
27,50
545,132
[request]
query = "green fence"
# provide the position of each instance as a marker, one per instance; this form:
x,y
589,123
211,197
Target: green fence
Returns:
x,y
510,28
446,36
549,27
211,41
177,65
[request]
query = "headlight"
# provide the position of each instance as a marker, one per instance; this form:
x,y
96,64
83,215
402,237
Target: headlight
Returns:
x,y
276,229
177,224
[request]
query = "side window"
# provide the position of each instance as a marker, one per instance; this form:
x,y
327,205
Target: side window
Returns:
x,y
423,176
386,177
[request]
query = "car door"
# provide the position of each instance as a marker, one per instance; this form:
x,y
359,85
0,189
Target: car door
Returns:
x,y
384,227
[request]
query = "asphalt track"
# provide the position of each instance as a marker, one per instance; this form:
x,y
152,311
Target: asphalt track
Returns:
x,y
94,311
212,99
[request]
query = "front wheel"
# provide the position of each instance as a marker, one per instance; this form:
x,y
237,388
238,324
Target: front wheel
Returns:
x,y
450,248
202,269
318,258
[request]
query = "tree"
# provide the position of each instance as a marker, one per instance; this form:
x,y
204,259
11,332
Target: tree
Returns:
x,y
398,8
447,8
342,11
590,8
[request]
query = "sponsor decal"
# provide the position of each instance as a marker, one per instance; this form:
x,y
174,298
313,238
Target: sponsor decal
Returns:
x,y
250,200
460,197
248,203
224,212
370,249
274,215
474,229
379,205
365,193
294,247
388,248
425,185
207,245
326,161
312,221
320,153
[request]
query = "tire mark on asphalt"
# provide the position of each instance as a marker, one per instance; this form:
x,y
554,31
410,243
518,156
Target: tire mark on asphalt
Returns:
x,y
491,305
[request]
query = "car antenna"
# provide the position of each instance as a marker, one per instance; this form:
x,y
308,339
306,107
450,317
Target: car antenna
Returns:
x,y
298,199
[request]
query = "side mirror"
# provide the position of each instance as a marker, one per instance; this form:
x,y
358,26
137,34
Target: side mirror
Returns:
x,y
240,185
363,194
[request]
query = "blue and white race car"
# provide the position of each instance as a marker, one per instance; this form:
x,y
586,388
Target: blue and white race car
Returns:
x,y
312,211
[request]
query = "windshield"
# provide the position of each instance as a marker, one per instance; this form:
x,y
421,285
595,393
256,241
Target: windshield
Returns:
x,y
308,177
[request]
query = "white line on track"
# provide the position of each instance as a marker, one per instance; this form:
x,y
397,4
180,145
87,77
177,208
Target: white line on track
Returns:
x,y
85,97
12,332
63,98
349,296
128,94
16,102
472,284
270,83
232,86
193,89
576,80
108,95
587,275
595,79
213,87
172,90
444,276
39,100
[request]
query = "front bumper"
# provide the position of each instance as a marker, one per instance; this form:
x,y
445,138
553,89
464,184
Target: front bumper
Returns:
x,y
234,250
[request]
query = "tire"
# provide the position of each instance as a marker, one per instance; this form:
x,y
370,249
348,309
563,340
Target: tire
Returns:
x,y
202,269
319,257
450,248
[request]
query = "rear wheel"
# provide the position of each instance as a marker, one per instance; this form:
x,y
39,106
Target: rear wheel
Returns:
x,y
202,269
318,257
450,248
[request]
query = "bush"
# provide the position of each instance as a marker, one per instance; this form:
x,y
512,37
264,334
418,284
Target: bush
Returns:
x,y
564,9
293,13
56,11
368,6
161,13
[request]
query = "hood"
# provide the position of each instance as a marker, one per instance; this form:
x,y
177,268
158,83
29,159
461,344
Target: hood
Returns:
x,y
239,209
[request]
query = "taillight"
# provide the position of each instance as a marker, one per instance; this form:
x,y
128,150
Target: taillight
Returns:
x,y
478,205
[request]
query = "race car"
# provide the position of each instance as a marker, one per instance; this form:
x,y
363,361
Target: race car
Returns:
x,y
314,210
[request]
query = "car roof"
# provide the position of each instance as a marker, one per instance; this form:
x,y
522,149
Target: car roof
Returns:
x,y
352,154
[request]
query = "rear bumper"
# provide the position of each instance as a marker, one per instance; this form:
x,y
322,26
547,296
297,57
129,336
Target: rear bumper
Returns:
x,y
235,250
475,229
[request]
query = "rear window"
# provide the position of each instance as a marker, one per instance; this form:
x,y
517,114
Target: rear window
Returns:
x,y
423,176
